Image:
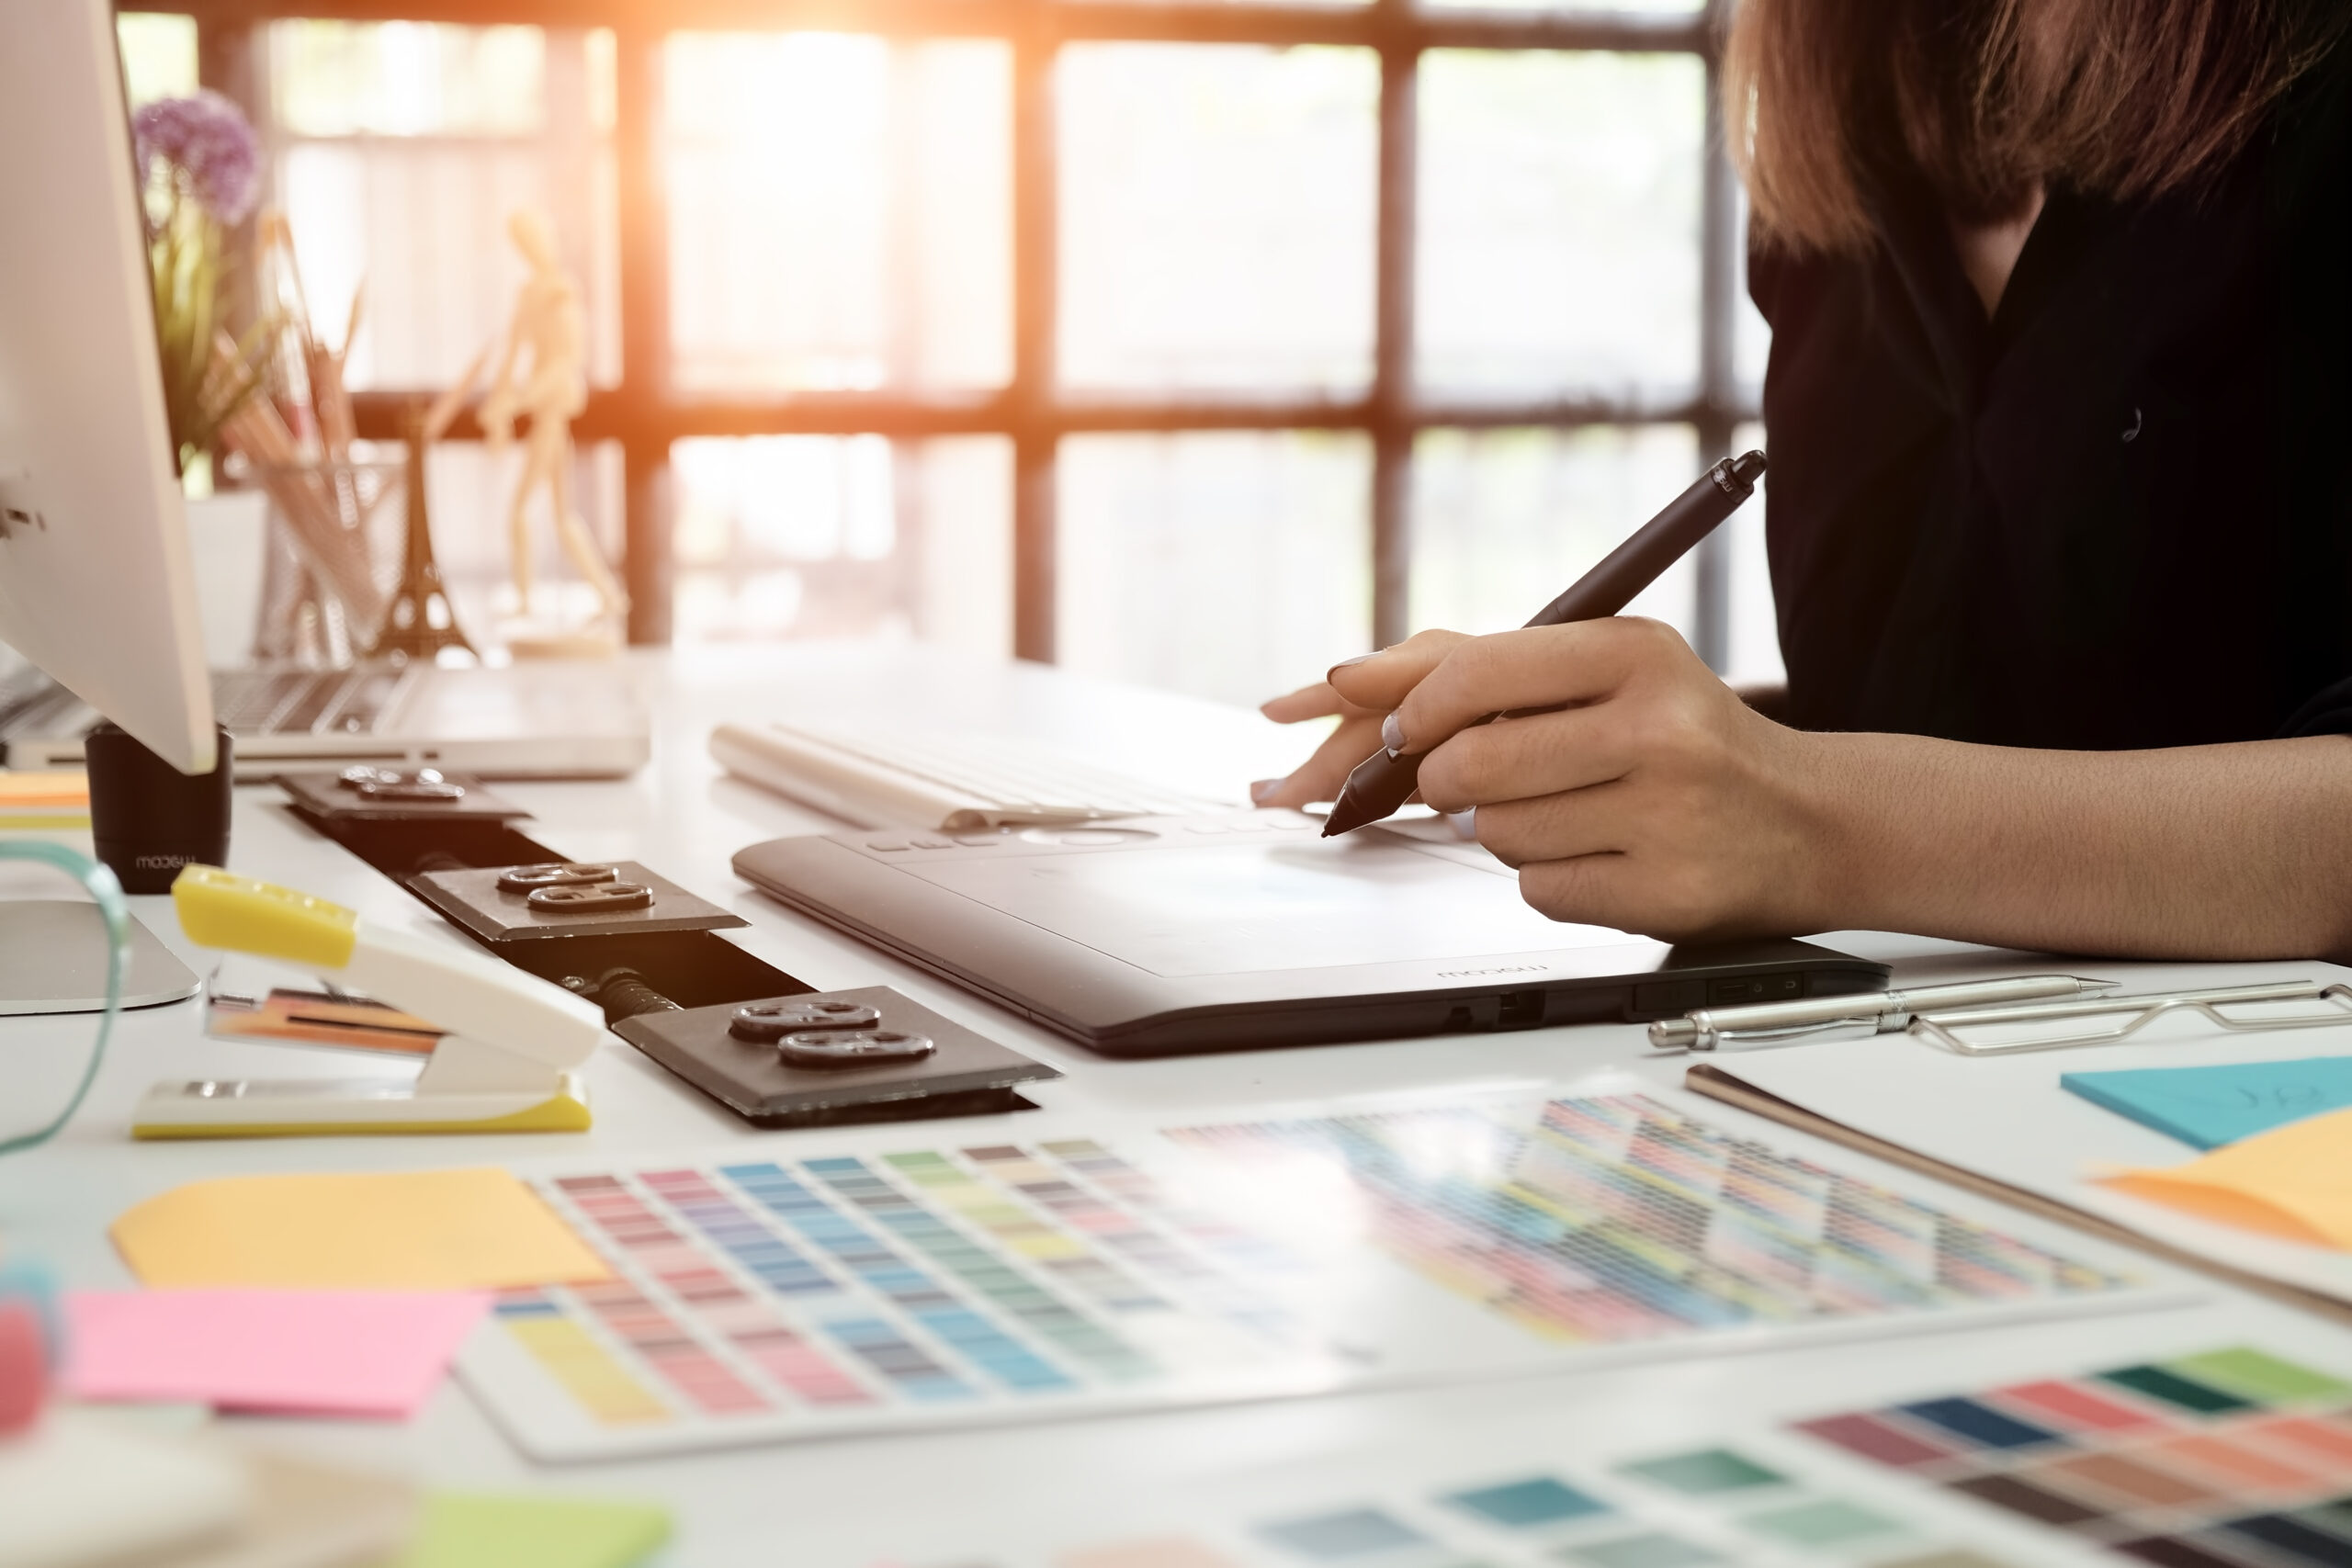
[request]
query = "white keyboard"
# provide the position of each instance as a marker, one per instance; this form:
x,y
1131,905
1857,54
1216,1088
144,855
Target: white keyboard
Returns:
x,y
878,777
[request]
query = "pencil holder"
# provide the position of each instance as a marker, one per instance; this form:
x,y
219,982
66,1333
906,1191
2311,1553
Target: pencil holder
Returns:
x,y
333,556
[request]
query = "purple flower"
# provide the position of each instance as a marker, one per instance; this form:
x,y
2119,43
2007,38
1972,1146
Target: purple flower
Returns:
x,y
207,142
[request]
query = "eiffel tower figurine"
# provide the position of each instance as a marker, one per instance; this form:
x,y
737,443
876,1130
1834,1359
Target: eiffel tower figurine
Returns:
x,y
418,621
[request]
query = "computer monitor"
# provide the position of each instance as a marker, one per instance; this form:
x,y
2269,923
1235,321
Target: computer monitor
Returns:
x,y
96,586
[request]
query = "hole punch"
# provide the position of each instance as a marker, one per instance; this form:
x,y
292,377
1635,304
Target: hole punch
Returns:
x,y
590,898
955,1072
766,1024
400,784
557,874
828,1049
413,789
338,799
548,898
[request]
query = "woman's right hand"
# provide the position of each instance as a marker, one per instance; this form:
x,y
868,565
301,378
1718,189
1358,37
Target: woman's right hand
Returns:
x,y
1362,690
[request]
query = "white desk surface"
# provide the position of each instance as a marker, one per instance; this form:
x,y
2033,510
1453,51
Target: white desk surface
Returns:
x,y
857,1500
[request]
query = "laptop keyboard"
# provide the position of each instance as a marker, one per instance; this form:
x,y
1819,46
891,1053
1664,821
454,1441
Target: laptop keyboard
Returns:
x,y
365,699
245,702
283,702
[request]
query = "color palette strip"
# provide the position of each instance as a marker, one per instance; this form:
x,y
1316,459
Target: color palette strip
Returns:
x,y
585,1369
1709,1507
2231,1458
1616,1218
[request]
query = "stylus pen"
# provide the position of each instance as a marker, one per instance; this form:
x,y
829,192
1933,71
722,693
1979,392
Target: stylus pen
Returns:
x,y
1881,1012
1386,780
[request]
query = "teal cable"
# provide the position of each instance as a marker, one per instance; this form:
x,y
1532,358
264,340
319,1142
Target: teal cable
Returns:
x,y
108,894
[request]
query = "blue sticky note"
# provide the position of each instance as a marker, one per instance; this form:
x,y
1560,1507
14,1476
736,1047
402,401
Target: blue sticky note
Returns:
x,y
2208,1107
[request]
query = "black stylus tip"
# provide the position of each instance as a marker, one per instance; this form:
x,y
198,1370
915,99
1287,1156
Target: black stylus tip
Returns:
x,y
1348,814
1380,783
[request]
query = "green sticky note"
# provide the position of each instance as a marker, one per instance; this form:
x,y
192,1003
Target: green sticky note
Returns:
x,y
467,1531
2208,1107
2265,1378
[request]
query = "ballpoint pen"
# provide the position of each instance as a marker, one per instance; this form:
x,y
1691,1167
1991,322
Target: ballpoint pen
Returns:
x,y
1386,780
1879,1012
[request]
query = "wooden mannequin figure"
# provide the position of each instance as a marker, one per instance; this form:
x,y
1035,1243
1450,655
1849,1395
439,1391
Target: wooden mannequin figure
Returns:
x,y
542,375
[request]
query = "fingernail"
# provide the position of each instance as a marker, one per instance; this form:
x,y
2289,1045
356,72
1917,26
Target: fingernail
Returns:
x,y
1346,663
1392,735
1262,788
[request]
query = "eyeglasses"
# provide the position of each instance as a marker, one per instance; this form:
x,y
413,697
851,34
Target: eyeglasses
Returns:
x,y
31,926
2104,1020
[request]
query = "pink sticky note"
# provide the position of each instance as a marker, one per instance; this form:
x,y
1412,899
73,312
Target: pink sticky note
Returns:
x,y
377,1353
24,1376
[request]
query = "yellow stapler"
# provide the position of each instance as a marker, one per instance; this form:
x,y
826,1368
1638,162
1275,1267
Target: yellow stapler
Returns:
x,y
507,1063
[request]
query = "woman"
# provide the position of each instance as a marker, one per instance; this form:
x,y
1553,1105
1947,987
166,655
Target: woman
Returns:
x,y
2060,523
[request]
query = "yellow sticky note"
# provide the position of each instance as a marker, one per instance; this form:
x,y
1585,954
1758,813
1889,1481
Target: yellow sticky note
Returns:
x,y
44,789
2293,1181
398,1230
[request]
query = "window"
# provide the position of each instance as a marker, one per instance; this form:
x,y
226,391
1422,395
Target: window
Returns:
x,y
1218,206
1200,346
839,213
1558,225
158,55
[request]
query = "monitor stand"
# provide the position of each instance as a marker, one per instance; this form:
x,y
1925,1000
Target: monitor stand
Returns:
x,y
53,959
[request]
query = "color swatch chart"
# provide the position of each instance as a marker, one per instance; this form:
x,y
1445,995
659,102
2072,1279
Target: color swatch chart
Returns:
x,y
912,1288
1716,1504
2231,1458
1616,1218
954,1284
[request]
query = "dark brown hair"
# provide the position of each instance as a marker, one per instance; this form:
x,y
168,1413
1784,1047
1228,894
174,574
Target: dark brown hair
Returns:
x,y
1985,98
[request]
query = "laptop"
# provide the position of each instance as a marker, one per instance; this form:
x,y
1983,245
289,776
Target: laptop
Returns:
x,y
567,719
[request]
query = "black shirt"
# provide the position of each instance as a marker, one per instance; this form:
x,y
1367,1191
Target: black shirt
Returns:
x,y
2117,514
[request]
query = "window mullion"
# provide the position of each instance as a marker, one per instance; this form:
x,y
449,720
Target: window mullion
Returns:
x,y
1036,338
639,133
1392,386
1719,275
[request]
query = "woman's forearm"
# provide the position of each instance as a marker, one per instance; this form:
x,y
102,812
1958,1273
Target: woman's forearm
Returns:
x,y
2206,851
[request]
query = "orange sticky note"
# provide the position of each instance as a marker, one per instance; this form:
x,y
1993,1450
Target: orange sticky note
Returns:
x,y
423,1230
2293,1181
20,789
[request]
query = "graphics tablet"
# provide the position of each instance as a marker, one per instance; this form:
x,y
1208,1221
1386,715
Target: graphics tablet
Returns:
x,y
1162,935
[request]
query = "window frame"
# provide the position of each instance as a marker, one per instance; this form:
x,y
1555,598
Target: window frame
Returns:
x,y
644,415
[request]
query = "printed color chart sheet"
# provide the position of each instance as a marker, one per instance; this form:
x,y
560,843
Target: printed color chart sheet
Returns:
x,y
901,1280
2233,1457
